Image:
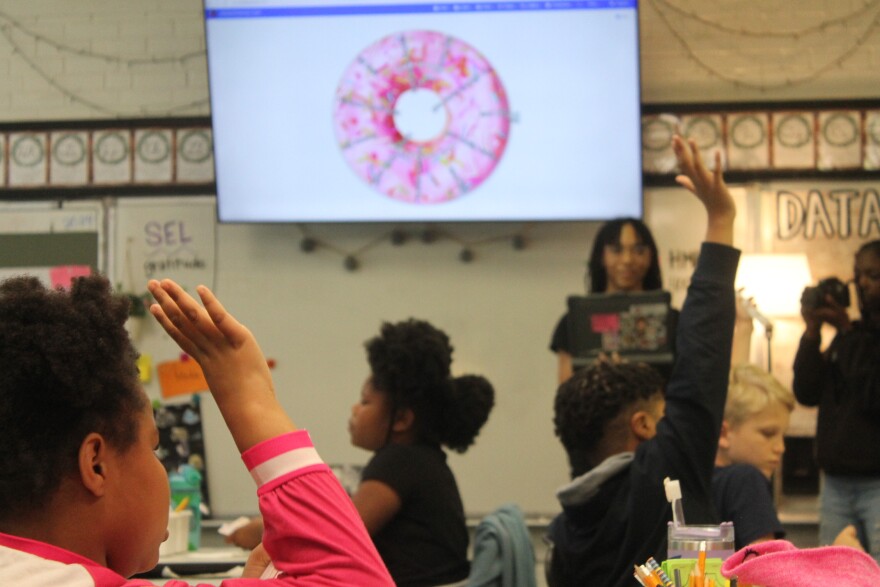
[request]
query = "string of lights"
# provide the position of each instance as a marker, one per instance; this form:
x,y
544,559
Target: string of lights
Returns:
x,y
64,48
351,260
787,80
9,25
820,27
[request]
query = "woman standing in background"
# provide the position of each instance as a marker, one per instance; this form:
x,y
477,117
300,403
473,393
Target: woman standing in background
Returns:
x,y
624,259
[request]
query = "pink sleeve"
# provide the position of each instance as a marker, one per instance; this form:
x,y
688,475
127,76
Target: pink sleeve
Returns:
x,y
312,530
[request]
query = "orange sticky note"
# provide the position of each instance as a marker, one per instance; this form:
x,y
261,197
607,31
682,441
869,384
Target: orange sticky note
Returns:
x,y
180,378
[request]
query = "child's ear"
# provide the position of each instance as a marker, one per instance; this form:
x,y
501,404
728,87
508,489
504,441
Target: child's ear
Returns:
x,y
643,425
724,438
93,463
404,419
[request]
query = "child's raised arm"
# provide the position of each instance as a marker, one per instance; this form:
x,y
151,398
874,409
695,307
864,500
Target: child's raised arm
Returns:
x,y
709,187
314,535
230,357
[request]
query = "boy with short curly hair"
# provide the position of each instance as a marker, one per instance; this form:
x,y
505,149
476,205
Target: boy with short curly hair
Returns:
x,y
630,436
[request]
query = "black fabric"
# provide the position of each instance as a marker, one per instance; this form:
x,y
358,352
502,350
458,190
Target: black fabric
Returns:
x,y
426,542
844,382
598,542
744,496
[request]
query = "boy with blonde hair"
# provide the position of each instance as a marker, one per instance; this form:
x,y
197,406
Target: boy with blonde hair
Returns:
x,y
750,449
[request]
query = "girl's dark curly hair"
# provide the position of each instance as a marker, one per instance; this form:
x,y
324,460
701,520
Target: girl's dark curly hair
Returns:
x,y
609,234
592,398
67,368
410,362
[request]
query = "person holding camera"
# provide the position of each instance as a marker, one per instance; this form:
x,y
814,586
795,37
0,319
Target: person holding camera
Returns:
x,y
844,381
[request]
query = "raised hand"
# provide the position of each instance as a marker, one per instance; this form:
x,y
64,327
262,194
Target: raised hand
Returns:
x,y
708,186
233,364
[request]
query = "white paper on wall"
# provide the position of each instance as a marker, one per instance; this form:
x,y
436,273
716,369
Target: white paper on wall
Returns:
x,y
707,131
164,237
69,158
748,142
153,156
27,159
111,156
195,155
793,140
657,154
839,140
872,139
3,156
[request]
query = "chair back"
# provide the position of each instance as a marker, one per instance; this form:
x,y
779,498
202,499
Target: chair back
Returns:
x,y
503,551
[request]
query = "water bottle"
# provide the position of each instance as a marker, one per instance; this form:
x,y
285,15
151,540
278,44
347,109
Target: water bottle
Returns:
x,y
186,493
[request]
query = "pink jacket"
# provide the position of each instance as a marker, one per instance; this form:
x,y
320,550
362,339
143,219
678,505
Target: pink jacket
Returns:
x,y
312,532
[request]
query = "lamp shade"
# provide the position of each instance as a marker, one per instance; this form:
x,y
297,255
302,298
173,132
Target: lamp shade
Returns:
x,y
774,281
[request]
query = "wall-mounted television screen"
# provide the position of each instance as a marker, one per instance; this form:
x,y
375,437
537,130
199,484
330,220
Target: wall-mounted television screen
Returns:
x,y
422,111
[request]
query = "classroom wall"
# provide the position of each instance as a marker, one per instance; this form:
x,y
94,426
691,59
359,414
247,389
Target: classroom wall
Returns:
x,y
124,58
145,57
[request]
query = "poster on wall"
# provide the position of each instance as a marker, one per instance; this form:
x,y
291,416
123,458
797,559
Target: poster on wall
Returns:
x,y
155,238
872,139
748,144
827,220
195,155
2,160
657,132
153,160
111,160
793,140
27,159
182,440
706,130
69,158
839,140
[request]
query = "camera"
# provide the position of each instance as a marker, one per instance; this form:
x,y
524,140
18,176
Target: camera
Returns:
x,y
814,297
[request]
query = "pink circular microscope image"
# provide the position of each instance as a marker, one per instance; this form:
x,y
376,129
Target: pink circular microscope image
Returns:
x,y
422,117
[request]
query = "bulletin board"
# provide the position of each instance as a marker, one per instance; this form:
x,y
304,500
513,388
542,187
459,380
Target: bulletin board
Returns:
x,y
51,241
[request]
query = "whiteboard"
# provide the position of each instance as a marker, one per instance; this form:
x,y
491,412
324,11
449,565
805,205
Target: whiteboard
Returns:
x,y
51,241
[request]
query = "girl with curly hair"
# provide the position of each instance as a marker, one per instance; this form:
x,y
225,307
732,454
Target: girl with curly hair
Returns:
x,y
409,406
83,498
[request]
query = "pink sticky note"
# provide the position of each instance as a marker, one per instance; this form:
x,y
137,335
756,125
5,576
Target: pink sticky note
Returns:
x,y
62,276
605,322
